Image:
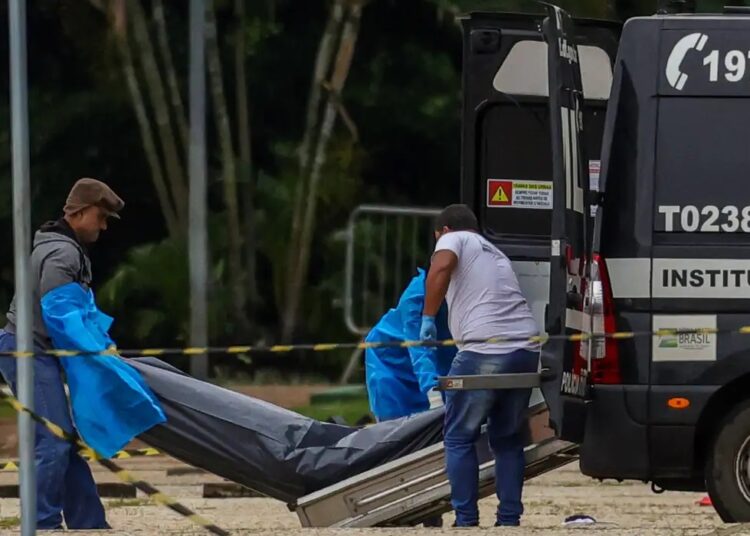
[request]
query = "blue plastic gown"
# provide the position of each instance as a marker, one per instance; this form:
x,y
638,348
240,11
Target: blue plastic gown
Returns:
x,y
111,403
398,379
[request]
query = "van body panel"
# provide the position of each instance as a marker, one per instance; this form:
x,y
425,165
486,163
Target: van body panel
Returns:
x,y
672,227
624,446
655,154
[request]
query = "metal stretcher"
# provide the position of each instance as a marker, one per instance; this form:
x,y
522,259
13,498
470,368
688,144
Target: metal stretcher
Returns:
x,y
409,490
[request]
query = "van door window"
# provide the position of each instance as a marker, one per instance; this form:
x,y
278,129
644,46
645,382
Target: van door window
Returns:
x,y
515,158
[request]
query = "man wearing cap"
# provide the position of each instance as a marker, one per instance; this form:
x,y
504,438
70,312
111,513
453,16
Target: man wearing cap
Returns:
x,y
59,256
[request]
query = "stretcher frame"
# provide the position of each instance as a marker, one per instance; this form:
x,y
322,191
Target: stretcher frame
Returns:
x,y
409,490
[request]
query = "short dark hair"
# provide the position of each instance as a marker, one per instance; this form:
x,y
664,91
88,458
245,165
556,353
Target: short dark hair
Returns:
x,y
457,218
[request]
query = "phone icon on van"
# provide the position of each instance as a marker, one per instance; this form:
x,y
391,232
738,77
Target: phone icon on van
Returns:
x,y
675,76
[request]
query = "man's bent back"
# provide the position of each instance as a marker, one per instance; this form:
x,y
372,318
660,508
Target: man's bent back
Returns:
x,y
484,301
484,297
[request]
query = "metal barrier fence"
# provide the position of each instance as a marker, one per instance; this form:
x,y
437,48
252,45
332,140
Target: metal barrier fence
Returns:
x,y
385,245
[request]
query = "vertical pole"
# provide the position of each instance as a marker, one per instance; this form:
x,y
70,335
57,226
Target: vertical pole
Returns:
x,y
397,268
414,231
383,272
197,232
365,292
21,248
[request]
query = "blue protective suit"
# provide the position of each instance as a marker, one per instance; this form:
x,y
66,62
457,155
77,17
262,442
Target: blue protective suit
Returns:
x,y
398,379
111,403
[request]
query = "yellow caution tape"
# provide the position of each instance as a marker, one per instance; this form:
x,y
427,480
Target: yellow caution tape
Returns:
x,y
327,347
9,466
14,465
124,475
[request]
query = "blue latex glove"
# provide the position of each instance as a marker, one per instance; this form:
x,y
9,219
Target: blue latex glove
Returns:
x,y
428,331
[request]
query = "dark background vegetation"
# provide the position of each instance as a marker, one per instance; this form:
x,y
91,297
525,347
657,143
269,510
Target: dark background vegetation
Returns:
x,y
402,94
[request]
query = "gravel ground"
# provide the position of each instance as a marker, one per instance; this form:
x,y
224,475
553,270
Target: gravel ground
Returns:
x,y
628,509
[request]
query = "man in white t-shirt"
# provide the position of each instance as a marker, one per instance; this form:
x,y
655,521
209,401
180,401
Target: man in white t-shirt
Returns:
x,y
484,301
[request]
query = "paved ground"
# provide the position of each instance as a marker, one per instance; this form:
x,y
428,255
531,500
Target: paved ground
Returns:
x,y
628,509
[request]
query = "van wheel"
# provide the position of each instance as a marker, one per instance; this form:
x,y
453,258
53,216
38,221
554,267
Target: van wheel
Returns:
x,y
728,467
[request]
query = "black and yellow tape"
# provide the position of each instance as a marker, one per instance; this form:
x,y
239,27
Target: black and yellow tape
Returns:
x,y
327,347
14,465
124,475
10,466
133,453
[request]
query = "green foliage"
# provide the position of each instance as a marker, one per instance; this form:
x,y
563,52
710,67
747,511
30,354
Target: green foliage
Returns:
x,y
578,8
606,9
6,412
149,296
403,95
350,410
275,198
257,31
10,522
717,6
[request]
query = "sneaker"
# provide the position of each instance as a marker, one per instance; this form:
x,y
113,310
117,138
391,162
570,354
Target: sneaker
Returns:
x,y
433,522
457,526
498,524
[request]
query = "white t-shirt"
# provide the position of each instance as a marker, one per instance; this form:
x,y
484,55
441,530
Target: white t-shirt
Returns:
x,y
484,298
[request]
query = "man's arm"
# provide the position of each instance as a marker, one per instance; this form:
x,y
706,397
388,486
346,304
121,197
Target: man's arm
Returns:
x,y
422,358
59,267
438,279
60,296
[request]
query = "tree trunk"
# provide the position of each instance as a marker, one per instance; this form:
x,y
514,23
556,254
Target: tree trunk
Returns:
x,y
221,116
174,87
174,227
244,141
338,79
174,167
272,10
326,51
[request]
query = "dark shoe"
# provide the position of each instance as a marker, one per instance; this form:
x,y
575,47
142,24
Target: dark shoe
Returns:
x,y
498,524
433,522
456,526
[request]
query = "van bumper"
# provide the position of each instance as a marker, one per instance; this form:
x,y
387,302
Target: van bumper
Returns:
x,y
614,445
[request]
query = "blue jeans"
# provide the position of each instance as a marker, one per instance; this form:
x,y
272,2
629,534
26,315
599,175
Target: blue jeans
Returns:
x,y
65,484
504,412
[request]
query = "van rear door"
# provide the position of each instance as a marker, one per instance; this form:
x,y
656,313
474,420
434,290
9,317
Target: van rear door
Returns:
x,y
517,163
567,387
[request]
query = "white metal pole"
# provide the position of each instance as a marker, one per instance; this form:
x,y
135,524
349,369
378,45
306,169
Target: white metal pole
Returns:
x,y
21,248
197,232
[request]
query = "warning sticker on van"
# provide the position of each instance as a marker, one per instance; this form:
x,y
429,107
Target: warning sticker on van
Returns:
x,y
519,194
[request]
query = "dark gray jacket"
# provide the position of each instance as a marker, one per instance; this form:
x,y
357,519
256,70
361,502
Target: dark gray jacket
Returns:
x,y
56,259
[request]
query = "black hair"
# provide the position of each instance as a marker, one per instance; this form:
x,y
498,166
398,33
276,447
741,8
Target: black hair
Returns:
x,y
457,218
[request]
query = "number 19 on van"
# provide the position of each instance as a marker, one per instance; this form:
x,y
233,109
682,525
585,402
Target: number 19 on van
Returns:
x,y
707,219
734,65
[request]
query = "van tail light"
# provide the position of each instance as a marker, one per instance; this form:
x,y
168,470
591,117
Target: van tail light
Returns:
x,y
598,315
